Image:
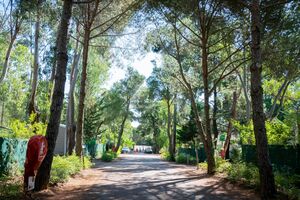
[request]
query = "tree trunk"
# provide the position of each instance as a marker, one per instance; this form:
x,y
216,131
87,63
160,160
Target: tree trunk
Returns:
x,y
174,130
122,127
32,107
210,156
80,118
267,184
71,105
169,131
214,118
7,56
282,88
232,117
281,100
43,175
2,112
245,90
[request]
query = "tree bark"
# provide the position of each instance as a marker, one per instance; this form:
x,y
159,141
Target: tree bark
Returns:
x,y
174,130
80,117
282,87
214,118
71,105
32,106
43,175
210,156
172,157
267,184
2,112
8,52
232,117
120,134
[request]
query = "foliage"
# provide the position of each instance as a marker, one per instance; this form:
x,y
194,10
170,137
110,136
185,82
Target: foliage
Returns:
x,y
109,156
65,166
24,130
277,132
183,158
11,187
165,154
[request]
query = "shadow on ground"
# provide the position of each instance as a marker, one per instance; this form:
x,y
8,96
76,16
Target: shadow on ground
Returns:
x,y
147,178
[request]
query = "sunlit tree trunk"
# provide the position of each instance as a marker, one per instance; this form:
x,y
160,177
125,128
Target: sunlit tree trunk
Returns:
x,y
232,117
32,106
121,130
43,175
71,104
80,118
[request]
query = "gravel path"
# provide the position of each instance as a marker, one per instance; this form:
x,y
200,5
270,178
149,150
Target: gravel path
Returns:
x,y
145,177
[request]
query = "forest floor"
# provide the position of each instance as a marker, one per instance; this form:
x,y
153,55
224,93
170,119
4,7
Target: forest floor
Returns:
x,y
141,176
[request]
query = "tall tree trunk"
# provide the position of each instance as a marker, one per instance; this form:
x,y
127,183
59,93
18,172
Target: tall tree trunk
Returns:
x,y
120,134
210,156
2,112
174,129
172,157
205,137
43,175
32,106
282,88
8,52
232,117
214,118
79,128
245,90
71,105
267,184
281,100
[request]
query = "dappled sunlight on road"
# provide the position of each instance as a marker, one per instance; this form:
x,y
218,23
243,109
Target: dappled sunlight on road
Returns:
x,y
146,176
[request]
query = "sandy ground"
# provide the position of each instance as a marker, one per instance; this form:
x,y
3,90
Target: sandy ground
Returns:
x,y
145,177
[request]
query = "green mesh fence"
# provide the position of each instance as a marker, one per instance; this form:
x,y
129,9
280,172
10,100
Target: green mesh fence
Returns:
x,y
192,152
94,149
12,154
281,156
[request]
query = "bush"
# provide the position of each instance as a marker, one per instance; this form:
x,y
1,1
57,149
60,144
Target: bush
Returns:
x,y
109,156
247,173
65,166
183,158
164,153
287,183
11,187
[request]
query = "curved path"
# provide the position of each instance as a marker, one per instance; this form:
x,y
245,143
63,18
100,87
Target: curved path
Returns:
x,y
145,177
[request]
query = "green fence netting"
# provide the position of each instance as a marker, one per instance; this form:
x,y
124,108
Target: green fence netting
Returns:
x,y
12,154
192,152
281,156
94,149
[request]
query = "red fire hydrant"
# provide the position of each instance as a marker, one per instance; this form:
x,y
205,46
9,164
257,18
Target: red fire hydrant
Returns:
x,y
36,151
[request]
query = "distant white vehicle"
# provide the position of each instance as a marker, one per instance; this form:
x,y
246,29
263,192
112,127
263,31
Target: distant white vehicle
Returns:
x,y
125,150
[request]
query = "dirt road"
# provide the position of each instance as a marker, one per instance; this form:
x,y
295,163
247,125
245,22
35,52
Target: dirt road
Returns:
x,y
145,177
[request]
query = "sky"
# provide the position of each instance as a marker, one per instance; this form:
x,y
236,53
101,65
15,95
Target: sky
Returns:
x,y
142,64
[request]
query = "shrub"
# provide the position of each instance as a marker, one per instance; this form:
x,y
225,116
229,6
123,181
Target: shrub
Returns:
x,y
164,153
109,156
247,173
11,187
183,158
65,166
